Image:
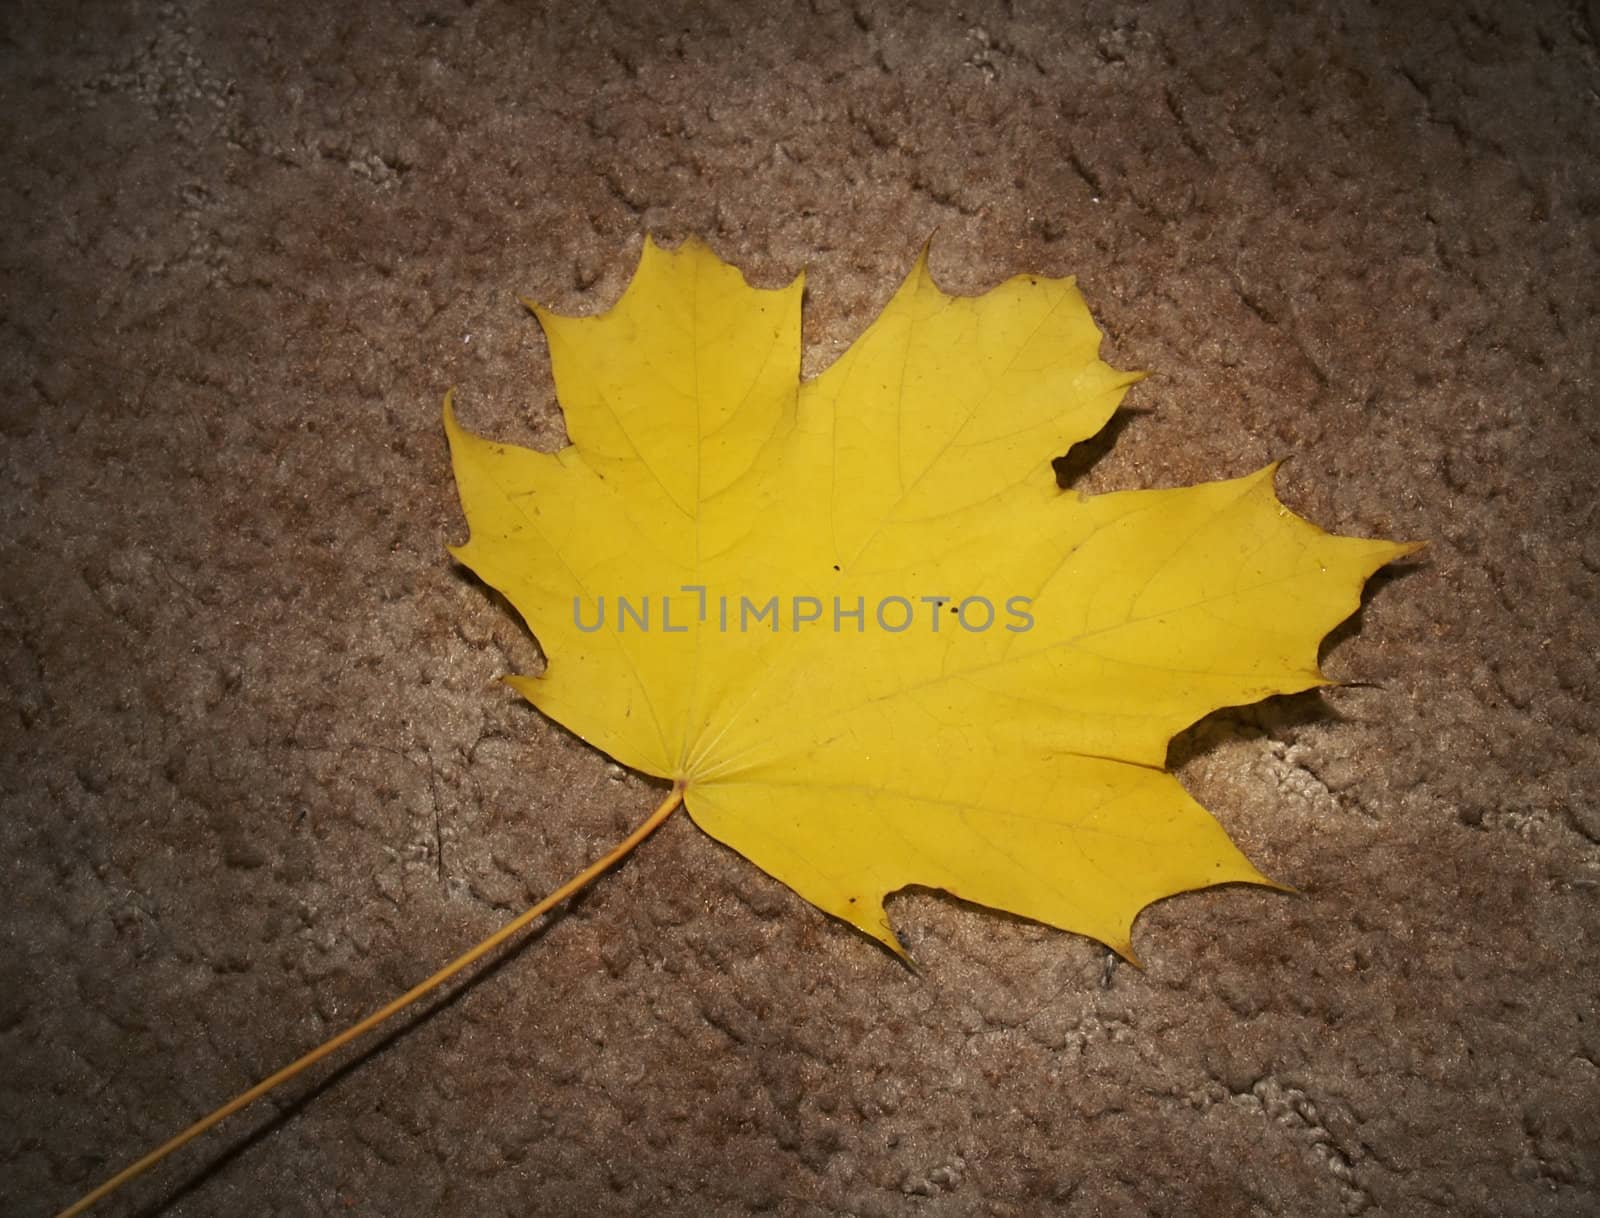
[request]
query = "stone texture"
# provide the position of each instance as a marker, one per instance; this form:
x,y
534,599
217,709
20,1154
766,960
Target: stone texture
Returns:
x,y
258,776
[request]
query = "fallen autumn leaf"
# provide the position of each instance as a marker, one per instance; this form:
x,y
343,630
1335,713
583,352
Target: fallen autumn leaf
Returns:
x,y
856,619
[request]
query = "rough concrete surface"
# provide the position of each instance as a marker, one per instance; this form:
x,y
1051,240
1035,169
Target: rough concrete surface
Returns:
x,y
259,776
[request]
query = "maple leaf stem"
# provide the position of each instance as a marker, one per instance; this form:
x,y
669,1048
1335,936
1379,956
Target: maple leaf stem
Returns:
x,y
421,989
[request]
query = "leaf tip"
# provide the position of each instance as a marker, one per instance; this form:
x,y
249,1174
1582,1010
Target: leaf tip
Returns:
x,y
455,435
878,928
1123,946
907,959
1404,549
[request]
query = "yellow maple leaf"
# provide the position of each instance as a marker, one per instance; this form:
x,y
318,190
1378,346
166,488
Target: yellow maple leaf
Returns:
x,y
856,620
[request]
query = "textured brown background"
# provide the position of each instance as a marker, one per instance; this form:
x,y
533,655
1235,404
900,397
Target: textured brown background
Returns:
x,y
258,775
